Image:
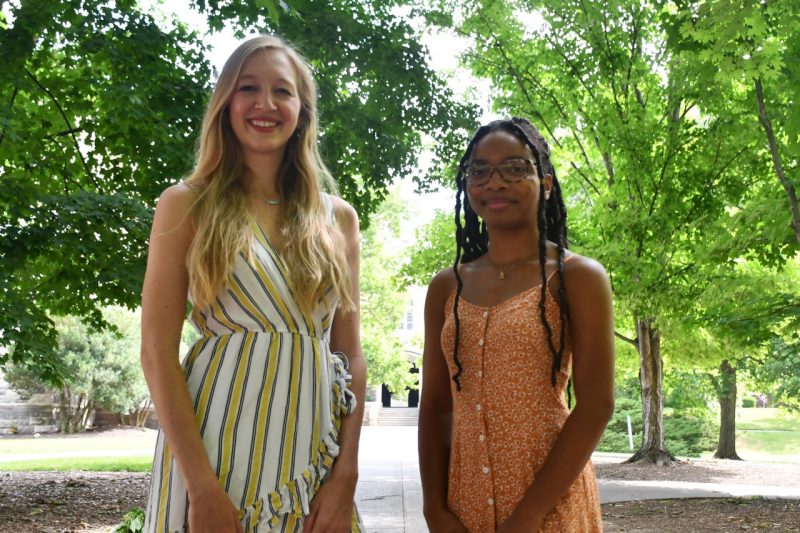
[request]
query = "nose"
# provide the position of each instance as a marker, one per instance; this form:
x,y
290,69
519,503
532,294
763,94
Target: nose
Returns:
x,y
264,101
494,183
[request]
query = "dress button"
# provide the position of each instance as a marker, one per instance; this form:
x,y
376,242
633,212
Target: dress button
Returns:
x,y
481,437
490,501
480,342
480,373
485,469
485,314
477,407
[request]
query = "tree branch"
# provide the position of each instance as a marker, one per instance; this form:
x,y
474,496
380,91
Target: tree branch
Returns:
x,y
70,128
633,342
776,159
10,106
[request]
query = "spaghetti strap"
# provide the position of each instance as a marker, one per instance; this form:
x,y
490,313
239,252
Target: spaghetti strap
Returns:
x,y
551,274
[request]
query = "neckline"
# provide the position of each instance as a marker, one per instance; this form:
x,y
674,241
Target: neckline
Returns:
x,y
502,303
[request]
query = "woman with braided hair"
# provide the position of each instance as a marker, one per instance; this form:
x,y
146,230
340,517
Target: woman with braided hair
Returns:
x,y
504,327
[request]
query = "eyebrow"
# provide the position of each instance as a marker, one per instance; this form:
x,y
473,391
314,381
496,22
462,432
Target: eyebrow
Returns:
x,y
503,161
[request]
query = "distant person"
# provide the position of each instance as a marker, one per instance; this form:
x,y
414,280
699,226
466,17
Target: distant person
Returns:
x,y
260,427
499,449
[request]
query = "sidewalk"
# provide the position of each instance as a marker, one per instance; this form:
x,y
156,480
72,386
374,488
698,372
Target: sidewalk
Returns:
x,y
389,494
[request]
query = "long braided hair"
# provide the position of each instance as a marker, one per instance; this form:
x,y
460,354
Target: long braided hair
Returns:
x,y
472,239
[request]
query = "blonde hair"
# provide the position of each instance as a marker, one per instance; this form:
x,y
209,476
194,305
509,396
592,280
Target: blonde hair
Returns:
x,y
316,256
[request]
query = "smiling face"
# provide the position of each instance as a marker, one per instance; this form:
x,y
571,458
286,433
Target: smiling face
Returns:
x,y
499,202
265,107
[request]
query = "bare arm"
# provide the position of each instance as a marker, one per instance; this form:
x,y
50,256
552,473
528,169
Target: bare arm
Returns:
x,y
332,508
592,330
164,299
436,411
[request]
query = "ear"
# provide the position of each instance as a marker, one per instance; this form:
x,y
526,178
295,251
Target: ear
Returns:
x,y
548,186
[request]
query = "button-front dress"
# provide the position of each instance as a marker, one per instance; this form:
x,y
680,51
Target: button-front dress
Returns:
x,y
268,397
507,415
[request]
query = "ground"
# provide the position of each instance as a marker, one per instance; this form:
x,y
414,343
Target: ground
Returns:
x,y
76,501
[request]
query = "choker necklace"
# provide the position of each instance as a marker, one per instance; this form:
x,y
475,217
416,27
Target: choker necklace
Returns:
x,y
272,202
502,272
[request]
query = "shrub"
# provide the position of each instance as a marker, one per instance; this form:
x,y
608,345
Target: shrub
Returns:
x,y
132,522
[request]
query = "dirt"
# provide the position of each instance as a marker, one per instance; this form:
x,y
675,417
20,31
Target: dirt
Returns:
x,y
89,501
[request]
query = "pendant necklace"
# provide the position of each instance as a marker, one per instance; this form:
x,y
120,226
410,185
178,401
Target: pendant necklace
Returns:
x,y
272,202
504,271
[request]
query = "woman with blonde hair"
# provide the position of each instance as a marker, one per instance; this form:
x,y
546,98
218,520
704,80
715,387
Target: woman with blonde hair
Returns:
x,y
260,422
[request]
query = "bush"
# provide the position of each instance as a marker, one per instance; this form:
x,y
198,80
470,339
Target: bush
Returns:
x,y
689,434
133,522
748,402
688,431
98,368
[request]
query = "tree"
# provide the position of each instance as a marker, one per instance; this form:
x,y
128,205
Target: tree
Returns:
x,y
100,368
377,95
647,169
382,300
100,105
754,312
753,45
435,250
98,114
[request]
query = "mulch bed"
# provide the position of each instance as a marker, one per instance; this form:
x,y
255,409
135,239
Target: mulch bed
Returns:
x,y
94,502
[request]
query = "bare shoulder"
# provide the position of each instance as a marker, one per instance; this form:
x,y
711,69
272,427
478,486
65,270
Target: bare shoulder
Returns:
x,y
178,197
345,214
440,287
581,269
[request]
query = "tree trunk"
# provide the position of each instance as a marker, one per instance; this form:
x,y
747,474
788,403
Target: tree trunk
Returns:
x,y
652,449
788,186
726,392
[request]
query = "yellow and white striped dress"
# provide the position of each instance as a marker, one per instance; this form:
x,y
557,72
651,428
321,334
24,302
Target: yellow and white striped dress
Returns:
x,y
268,397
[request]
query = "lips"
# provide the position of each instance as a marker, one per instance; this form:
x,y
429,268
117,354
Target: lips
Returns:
x,y
263,124
497,203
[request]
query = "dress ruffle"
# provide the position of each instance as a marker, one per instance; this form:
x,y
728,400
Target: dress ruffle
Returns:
x,y
294,497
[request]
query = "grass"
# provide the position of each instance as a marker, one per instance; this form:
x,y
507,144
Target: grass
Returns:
x,y
767,433
132,463
70,443
767,419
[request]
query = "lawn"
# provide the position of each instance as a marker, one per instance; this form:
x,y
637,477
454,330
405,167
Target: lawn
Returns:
x,y
767,434
125,450
131,440
128,463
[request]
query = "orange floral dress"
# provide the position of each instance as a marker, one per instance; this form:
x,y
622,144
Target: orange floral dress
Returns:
x,y
507,415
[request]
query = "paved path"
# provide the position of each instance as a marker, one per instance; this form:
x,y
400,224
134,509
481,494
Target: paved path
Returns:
x,y
389,493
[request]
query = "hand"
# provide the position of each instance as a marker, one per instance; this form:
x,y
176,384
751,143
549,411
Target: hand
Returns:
x,y
211,511
445,522
332,508
517,523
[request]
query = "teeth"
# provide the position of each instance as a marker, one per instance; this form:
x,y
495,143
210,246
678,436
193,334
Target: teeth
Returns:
x,y
264,123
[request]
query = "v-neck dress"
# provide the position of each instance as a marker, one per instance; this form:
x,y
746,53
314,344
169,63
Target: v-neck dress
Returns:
x,y
268,397
508,415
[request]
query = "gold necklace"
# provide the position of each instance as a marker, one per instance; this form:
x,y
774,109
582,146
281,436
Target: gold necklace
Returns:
x,y
502,272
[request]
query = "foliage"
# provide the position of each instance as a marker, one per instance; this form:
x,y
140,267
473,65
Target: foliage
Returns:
x,y
98,114
132,522
434,250
100,106
690,425
378,97
99,368
753,48
665,181
382,302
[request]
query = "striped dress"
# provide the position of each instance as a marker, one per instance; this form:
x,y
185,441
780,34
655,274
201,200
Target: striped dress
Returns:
x,y
268,397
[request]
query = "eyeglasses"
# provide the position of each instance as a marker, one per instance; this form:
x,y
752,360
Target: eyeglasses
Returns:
x,y
510,170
